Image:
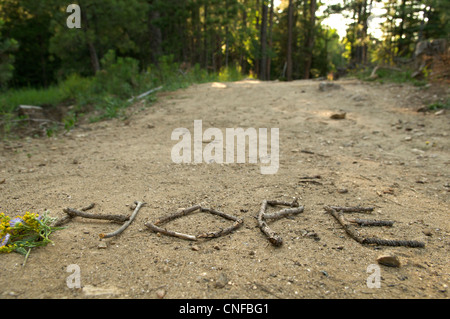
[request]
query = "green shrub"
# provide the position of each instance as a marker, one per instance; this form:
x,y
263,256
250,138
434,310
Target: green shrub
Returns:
x,y
119,76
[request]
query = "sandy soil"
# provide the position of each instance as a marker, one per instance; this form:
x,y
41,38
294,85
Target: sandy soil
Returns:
x,y
383,154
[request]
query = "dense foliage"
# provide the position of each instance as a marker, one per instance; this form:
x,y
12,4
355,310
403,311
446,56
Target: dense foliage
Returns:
x,y
126,46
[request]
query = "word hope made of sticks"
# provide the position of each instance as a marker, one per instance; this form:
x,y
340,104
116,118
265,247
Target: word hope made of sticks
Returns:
x,y
291,208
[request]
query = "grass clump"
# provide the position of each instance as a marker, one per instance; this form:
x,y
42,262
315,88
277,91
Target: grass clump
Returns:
x,y
106,95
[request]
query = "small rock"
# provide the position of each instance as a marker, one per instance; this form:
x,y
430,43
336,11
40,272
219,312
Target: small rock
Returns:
x,y
325,86
389,260
428,232
342,190
161,293
408,138
31,111
338,116
166,269
2,181
222,281
195,248
422,109
102,245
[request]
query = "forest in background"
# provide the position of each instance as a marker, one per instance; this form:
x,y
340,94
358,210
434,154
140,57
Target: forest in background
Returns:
x,y
126,47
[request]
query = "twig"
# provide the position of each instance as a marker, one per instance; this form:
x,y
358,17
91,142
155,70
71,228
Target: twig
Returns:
x,y
354,209
88,207
178,214
272,236
62,221
68,217
125,225
221,214
222,232
283,213
388,242
164,231
154,226
349,229
74,213
294,203
371,222
145,94
311,177
313,153
311,182
237,223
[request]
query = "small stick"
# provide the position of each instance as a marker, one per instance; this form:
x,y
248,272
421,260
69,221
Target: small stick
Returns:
x,y
74,213
283,213
283,203
215,212
144,94
238,223
371,222
62,221
311,152
154,226
388,242
310,181
125,225
349,229
68,217
354,209
169,232
88,207
273,237
311,177
173,216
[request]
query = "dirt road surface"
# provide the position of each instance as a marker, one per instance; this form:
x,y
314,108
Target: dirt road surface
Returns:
x,y
383,154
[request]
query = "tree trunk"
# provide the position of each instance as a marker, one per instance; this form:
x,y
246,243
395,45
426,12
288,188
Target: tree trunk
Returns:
x,y
311,38
270,38
242,60
263,65
92,50
289,48
196,39
155,36
401,41
205,36
258,23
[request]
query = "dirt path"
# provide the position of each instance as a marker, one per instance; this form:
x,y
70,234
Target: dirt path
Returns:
x,y
383,154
